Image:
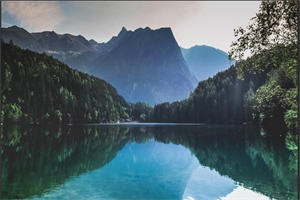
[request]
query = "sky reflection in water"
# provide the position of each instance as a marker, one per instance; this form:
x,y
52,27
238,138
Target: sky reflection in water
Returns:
x,y
155,162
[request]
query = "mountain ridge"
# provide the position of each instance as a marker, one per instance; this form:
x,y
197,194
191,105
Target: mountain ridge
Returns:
x,y
38,88
150,61
147,52
206,61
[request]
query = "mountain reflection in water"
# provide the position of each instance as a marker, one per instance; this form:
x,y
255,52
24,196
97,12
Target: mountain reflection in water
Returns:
x,y
145,162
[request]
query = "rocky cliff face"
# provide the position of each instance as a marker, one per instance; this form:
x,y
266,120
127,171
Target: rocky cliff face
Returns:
x,y
144,65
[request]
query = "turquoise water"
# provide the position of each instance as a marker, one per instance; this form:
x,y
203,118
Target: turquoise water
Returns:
x,y
146,161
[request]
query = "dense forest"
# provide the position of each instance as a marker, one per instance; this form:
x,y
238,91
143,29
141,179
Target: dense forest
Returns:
x,y
38,88
265,95
260,89
249,113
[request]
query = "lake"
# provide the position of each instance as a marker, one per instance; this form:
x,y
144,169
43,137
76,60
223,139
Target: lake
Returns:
x,y
146,161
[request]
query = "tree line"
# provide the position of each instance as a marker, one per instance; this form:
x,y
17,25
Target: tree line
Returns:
x,y
37,88
260,89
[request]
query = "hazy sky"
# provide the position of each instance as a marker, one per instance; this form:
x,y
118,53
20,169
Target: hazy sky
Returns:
x,y
193,23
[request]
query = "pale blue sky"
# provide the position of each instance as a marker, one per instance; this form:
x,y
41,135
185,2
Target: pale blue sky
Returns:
x,y
193,23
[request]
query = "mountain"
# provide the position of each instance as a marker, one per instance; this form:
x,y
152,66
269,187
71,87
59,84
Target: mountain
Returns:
x,y
205,61
37,88
215,100
75,51
260,89
52,41
143,65
20,37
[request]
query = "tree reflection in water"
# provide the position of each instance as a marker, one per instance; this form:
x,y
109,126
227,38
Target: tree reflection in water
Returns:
x,y
38,159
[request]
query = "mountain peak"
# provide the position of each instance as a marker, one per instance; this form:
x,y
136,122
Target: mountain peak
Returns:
x,y
151,55
92,41
123,30
15,28
205,61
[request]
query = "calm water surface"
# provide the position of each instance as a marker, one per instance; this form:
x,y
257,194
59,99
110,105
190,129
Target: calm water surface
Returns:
x,y
146,161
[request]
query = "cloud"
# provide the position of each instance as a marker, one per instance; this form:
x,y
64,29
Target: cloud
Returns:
x,y
36,16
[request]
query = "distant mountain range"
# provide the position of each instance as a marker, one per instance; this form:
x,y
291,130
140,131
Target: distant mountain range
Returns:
x,y
75,51
143,65
205,61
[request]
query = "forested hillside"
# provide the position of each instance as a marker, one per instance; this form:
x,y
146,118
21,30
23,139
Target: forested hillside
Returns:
x,y
36,88
261,89
226,98
143,65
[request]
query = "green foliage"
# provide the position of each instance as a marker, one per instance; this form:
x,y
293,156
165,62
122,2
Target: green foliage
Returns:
x,y
38,88
46,116
14,112
249,102
266,93
276,23
58,115
141,112
291,113
269,100
142,117
272,39
216,100
290,119
277,100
